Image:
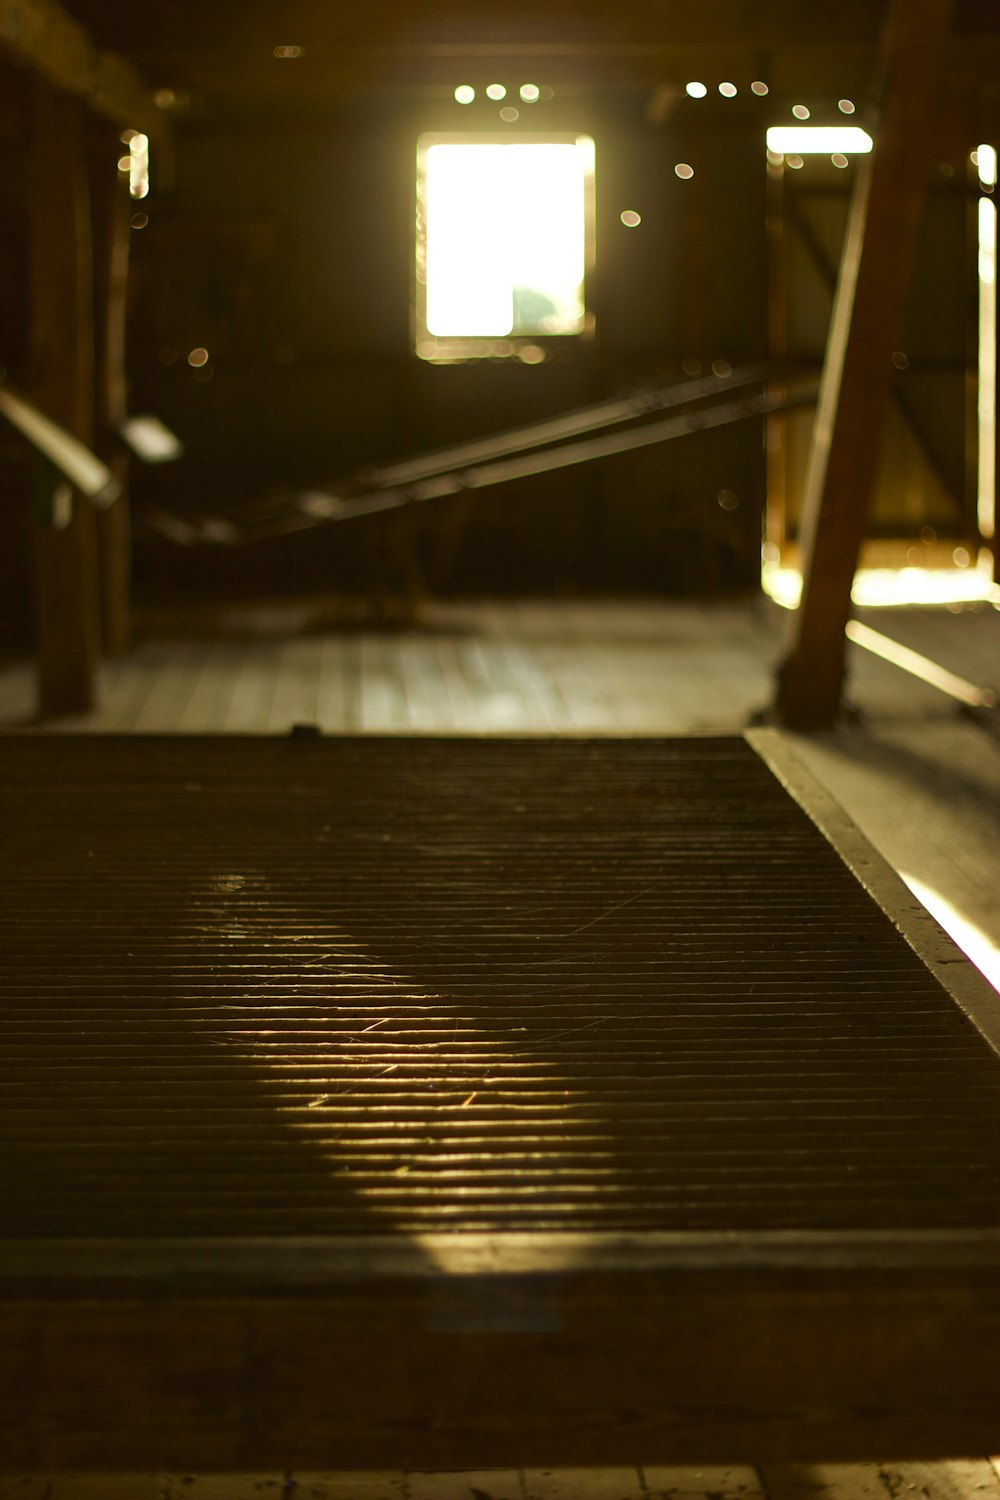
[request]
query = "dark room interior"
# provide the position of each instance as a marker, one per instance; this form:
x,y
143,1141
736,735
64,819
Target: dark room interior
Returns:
x,y
480,487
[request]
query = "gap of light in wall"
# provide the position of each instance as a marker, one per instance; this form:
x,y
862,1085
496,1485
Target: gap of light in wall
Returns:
x,y
504,235
888,587
986,162
138,165
814,140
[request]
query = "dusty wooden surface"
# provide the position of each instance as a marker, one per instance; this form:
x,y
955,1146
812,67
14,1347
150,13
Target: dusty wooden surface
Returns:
x,y
920,780
959,1479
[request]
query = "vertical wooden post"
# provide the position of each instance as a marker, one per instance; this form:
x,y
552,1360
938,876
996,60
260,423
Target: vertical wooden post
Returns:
x,y
61,306
110,212
882,234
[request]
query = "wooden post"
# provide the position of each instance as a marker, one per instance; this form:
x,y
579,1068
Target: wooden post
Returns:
x,y
60,293
879,248
110,212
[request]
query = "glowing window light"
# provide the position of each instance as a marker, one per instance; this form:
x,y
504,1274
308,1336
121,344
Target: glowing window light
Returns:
x,y
464,94
986,162
812,140
695,90
877,588
504,236
138,173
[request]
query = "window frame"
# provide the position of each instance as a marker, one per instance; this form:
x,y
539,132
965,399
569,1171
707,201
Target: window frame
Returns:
x,y
530,348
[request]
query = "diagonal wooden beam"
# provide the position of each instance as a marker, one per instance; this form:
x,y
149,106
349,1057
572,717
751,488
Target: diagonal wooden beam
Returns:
x,y
40,36
879,249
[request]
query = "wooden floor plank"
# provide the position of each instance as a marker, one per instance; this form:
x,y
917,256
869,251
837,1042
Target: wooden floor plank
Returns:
x,y
111,1487
249,707
333,690
708,1483
385,706
483,1484
426,706
489,681
349,1486
970,1479
295,694
591,1484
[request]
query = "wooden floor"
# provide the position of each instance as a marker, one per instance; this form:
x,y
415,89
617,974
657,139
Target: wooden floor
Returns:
x,y
922,781
958,1480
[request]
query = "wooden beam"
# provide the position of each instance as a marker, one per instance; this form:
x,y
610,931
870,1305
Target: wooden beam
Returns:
x,y
60,291
110,208
39,35
879,249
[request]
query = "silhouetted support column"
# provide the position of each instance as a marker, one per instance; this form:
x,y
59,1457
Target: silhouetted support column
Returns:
x,y
110,213
61,305
881,240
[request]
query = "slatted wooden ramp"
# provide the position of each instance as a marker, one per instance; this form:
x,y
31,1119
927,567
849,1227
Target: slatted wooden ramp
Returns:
x,y
451,1103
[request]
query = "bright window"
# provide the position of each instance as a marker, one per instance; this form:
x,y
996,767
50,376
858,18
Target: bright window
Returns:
x,y
504,240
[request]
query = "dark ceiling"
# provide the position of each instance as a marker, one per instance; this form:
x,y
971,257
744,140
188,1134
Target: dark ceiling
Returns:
x,y
214,54
215,57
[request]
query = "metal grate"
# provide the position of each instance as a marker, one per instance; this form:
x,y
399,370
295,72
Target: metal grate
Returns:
x,y
263,987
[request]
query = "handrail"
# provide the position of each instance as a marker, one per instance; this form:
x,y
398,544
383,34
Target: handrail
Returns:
x,y
502,457
572,424
66,453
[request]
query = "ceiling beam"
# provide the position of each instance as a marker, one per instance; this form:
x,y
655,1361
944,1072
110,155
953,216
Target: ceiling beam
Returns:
x,y
39,36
